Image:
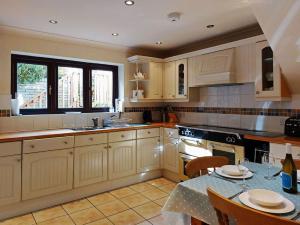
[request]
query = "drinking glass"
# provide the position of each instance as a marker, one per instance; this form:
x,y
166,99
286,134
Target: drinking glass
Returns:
x,y
244,170
267,160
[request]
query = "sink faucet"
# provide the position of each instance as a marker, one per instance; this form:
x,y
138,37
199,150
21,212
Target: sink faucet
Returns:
x,y
95,122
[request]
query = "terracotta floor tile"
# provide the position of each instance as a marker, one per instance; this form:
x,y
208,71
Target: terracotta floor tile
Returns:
x,y
159,182
101,222
148,210
154,194
123,192
135,200
77,205
161,201
101,198
128,217
49,213
112,208
167,188
145,223
86,216
20,220
159,220
141,187
63,220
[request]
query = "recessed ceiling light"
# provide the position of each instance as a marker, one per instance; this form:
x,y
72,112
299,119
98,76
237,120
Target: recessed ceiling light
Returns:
x,y
158,43
129,2
210,26
115,34
53,21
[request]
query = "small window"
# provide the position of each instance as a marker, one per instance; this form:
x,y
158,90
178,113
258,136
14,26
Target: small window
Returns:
x,y
102,89
32,82
70,87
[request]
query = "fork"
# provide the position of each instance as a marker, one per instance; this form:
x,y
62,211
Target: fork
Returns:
x,y
296,216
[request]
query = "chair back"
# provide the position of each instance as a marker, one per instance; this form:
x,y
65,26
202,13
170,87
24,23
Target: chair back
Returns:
x,y
199,166
243,215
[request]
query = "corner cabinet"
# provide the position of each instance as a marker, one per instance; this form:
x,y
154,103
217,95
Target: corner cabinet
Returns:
x,y
270,84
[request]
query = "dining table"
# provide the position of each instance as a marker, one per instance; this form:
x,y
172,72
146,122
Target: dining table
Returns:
x,y
189,198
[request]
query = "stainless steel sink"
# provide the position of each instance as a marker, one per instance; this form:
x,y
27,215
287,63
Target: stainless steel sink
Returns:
x,y
110,126
89,128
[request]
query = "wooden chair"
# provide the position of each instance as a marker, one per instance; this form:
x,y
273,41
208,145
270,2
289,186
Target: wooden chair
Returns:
x,y
296,161
199,166
243,215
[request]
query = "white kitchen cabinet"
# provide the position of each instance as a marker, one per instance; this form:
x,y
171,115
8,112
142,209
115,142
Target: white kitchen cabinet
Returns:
x,y
269,85
245,57
121,159
169,86
10,179
278,152
148,154
47,173
90,165
155,88
170,154
181,85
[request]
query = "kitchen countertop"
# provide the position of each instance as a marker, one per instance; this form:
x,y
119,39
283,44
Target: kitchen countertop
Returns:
x,y
278,140
26,135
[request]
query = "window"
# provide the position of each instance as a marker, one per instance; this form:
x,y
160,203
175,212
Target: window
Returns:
x,y
56,86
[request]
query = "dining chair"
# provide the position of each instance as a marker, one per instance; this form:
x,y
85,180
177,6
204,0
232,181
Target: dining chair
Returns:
x,y
243,215
200,165
296,161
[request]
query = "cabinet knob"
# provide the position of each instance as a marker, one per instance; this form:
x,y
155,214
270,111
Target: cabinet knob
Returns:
x,y
149,132
65,142
31,146
91,139
122,136
105,147
71,153
18,160
173,96
109,146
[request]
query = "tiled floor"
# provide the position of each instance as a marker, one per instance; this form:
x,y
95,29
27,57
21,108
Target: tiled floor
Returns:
x,y
137,204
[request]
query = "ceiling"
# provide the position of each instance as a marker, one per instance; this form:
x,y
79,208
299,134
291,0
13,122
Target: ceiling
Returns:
x,y
140,25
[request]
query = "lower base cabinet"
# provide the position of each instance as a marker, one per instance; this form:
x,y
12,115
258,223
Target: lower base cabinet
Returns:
x,y
148,154
122,159
90,165
47,173
10,179
170,154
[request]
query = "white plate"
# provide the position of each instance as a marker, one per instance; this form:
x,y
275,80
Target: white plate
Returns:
x,y
286,207
233,170
265,197
220,172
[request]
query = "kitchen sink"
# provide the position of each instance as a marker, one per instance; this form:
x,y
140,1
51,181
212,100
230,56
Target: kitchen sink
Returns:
x,y
89,128
110,126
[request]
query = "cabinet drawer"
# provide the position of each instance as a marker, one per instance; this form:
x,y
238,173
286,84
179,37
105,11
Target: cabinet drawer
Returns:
x,y
121,136
91,139
47,144
171,133
146,133
10,148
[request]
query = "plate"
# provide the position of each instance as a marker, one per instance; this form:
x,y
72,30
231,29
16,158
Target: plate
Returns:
x,y
233,170
265,197
286,206
220,172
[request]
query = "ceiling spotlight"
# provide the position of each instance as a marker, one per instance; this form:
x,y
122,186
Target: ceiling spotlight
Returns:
x,y
174,16
115,34
53,21
158,43
210,26
129,2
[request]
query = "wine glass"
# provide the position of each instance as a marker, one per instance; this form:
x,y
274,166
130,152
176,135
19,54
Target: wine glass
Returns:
x,y
267,160
244,171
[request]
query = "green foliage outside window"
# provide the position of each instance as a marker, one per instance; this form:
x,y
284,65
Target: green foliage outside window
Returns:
x,y
30,73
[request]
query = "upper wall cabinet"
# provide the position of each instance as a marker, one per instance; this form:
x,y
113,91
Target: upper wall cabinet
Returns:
x,y
169,80
270,84
155,87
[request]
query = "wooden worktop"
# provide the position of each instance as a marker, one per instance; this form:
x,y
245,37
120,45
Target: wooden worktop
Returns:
x,y
277,140
19,136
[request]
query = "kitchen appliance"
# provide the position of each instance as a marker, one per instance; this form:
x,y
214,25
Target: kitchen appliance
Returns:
x,y
292,127
147,116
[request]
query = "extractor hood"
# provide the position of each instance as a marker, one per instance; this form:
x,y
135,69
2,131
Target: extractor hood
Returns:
x,y
212,69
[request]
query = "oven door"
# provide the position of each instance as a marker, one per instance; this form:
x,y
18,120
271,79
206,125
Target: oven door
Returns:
x,y
194,147
183,160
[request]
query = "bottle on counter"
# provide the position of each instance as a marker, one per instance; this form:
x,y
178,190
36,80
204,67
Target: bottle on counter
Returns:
x,y
289,172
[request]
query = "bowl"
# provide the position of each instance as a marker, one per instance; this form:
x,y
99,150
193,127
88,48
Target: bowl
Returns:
x,y
265,197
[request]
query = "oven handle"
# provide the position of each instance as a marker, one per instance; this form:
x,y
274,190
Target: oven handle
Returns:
x,y
198,144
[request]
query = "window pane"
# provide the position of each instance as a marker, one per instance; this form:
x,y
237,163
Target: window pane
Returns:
x,y
102,88
32,85
70,87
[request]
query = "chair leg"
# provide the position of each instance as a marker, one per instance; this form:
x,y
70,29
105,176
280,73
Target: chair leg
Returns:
x,y
195,221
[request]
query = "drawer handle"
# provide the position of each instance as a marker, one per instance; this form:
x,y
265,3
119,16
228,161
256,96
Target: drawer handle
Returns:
x,y
66,142
71,153
105,147
91,139
149,132
18,160
109,146
122,136
31,146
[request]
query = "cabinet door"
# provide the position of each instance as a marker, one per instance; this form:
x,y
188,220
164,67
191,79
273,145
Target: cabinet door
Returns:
x,y
122,159
90,165
181,79
155,81
148,151
268,79
47,173
10,179
194,68
171,154
169,80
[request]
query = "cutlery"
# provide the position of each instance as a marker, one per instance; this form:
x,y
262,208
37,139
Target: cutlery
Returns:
x,y
222,178
237,194
276,174
296,216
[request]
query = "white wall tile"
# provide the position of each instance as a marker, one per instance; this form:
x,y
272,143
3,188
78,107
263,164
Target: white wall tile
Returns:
x,y
234,90
69,121
247,101
212,91
55,121
40,122
24,123
247,89
7,124
5,101
234,101
229,120
212,119
223,90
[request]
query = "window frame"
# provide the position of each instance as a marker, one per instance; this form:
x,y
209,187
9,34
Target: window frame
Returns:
x,y
52,82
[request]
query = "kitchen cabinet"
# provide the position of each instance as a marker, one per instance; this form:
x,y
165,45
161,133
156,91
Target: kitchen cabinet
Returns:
x,y
121,159
278,152
181,86
169,80
90,165
270,84
148,154
10,179
47,173
170,153
155,88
